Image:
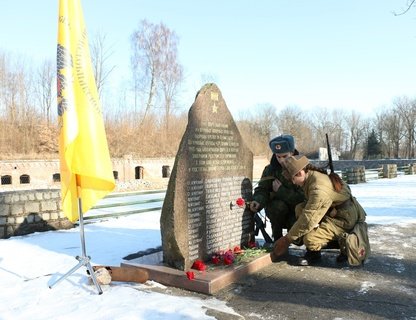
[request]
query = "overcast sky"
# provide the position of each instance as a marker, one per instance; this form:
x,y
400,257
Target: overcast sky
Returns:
x,y
354,55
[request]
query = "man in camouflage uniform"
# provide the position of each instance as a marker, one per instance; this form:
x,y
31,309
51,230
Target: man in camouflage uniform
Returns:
x,y
277,195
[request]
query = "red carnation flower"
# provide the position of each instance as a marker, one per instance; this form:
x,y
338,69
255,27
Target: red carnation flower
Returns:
x,y
190,275
199,265
252,244
228,257
237,250
228,260
215,260
240,202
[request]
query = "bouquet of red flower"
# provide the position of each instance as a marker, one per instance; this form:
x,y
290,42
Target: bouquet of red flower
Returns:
x,y
226,257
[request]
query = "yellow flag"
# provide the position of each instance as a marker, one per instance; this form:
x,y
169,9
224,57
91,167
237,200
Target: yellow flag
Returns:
x,y
86,169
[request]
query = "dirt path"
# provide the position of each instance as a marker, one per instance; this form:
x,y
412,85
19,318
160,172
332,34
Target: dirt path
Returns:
x,y
385,288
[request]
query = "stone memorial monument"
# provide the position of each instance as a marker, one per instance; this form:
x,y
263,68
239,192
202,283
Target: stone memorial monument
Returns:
x,y
212,169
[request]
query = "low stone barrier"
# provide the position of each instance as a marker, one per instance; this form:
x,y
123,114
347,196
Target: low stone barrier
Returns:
x,y
390,171
355,175
27,211
342,165
411,169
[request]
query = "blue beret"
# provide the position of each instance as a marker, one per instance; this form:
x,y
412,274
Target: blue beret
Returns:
x,y
282,144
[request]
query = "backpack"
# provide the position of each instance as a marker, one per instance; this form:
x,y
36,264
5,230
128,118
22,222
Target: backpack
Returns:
x,y
356,244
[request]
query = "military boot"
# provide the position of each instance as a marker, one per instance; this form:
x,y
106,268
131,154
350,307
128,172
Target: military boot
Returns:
x,y
342,257
310,258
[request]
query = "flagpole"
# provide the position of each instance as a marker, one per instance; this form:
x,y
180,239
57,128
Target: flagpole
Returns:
x,y
84,260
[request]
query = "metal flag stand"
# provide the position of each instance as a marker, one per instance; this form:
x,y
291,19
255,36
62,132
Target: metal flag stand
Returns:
x,y
84,260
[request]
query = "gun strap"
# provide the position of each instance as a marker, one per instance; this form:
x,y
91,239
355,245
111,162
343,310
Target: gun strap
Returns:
x,y
267,178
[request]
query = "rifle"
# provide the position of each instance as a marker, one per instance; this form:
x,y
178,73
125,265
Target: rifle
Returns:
x,y
330,163
261,226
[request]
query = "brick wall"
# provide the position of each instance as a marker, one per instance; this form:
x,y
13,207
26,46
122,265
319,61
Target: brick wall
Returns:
x,y
31,174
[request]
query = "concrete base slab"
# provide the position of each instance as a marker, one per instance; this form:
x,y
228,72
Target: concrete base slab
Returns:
x,y
209,281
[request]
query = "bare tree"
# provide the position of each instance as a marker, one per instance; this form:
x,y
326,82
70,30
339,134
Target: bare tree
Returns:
x,y
389,127
171,78
44,88
24,133
356,127
265,120
251,132
154,63
292,120
2,80
289,120
100,54
339,133
409,5
322,123
406,109
20,112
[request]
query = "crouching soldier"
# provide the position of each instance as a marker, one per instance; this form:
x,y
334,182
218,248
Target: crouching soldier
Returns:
x,y
275,193
329,214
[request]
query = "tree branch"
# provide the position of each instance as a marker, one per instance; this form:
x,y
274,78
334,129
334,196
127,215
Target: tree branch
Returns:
x,y
406,10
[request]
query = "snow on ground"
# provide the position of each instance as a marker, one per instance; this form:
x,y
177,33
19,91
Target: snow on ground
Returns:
x,y
28,264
